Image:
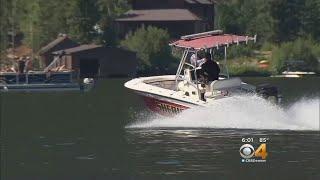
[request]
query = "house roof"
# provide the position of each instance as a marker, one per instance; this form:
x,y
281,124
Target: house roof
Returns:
x,y
52,44
89,47
200,1
159,15
77,49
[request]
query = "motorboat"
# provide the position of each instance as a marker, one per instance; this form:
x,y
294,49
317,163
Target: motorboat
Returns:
x,y
295,74
171,94
296,69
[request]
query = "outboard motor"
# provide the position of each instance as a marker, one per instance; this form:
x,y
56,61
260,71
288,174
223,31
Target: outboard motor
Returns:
x,y
269,93
88,84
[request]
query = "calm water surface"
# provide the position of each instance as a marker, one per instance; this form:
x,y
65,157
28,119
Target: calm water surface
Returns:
x,y
108,134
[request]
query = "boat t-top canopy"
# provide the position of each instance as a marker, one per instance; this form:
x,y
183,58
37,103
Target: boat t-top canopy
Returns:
x,y
209,40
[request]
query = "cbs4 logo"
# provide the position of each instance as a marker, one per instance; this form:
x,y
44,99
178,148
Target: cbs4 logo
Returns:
x,y
247,151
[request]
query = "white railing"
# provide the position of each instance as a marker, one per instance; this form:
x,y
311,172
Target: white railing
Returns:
x,y
192,36
53,64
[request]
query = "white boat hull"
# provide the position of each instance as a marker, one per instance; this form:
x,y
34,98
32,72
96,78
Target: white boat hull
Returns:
x,y
161,96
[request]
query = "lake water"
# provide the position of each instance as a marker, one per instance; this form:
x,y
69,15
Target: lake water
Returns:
x,y
109,134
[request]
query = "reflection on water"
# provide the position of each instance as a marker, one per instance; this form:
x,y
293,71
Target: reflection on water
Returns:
x,y
215,152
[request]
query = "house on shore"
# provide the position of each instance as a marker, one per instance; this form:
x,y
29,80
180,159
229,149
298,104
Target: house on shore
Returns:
x,y
89,60
98,61
179,17
62,42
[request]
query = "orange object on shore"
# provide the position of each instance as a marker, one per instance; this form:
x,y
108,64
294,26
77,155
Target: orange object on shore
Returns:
x,y
264,64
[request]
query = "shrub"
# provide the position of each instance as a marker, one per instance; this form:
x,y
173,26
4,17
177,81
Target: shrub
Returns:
x,y
266,46
301,49
247,70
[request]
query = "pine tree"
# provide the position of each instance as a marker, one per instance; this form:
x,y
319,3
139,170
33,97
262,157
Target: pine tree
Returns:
x,y
311,19
288,19
4,24
109,10
27,18
83,17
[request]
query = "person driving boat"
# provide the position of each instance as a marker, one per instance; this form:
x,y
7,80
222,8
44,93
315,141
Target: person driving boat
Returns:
x,y
209,69
196,60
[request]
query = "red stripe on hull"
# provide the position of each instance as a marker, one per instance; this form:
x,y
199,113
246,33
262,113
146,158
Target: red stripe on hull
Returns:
x,y
163,107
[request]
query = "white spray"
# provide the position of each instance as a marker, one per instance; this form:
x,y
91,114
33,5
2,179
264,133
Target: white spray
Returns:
x,y
243,112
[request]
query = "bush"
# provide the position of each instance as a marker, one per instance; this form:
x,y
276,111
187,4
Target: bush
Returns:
x,y
266,46
302,49
248,70
151,46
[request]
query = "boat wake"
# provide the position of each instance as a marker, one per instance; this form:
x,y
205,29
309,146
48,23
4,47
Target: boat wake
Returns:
x,y
242,113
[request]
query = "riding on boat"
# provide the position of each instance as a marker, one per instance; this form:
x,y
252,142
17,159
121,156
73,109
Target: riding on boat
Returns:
x,y
171,94
52,78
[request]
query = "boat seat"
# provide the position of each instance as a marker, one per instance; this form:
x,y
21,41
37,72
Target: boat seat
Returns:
x,y
228,83
186,86
219,88
189,89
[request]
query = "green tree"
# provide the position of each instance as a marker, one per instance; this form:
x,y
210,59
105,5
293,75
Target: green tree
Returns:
x,y
151,45
301,49
288,19
112,8
46,19
5,7
311,19
41,21
228,18
28,22
109,10
247,17
82,18
260,21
